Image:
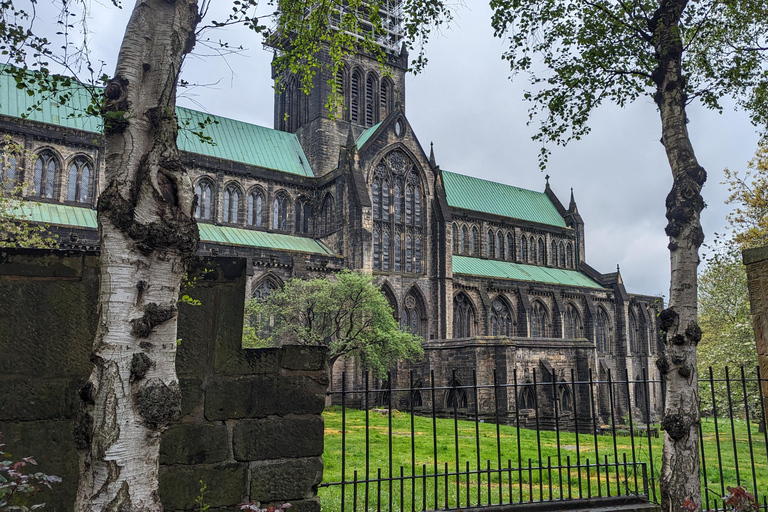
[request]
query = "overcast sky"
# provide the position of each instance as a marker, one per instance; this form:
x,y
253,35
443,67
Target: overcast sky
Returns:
x,y
467,105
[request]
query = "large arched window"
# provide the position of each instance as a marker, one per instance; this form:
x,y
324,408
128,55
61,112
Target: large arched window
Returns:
x,y
540,256
464,240
255,214
510,246
501,318
561,254
455,239
79,181
532,250
632,333
396,182
327,213
412,318
280,212
456,396
527,399
499,245
569,256
474,242
263,324
463,316
229,211
603,331
204,192
573,326
539,320
553,253
46,168
303,214
340,91
489,243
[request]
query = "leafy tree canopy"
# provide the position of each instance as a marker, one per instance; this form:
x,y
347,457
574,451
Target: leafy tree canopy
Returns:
x,y
346,312
750,195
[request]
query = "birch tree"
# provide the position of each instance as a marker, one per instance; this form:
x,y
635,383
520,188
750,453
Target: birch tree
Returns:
x,y
579,54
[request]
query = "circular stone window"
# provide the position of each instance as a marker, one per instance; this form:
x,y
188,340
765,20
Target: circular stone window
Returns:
x,y
399,128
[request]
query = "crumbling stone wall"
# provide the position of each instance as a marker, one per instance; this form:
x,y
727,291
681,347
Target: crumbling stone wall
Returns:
x,y
756,261
251,428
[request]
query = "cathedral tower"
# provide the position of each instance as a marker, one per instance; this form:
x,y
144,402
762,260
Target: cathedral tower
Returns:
x,y
370,91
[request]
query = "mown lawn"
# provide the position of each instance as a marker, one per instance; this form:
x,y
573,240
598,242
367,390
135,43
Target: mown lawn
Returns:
x,y
543,481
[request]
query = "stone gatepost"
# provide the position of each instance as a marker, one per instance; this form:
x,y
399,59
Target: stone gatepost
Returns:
x,y
756,261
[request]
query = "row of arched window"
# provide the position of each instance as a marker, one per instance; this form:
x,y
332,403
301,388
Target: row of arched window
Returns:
x,y
293,105
366,98
501,246
46,176
502,321
257,212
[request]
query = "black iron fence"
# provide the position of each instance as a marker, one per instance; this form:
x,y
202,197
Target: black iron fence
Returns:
x,y
410,442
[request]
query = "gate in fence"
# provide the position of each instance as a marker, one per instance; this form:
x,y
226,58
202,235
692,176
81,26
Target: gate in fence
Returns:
x,y
431,445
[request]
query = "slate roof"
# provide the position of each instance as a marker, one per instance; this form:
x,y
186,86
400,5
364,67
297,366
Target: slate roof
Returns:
x,y
505,200
519,272
234,140
74,216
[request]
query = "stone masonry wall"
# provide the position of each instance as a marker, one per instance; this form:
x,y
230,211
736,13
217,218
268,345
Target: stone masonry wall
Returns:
x,y
756,261
251,428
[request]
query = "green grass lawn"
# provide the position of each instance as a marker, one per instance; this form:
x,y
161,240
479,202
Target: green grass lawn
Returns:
x,y
542,481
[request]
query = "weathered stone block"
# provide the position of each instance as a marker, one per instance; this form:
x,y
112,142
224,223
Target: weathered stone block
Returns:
x,y
274,438
196,329
301,394
231,359
300,357
189,443
191,393
285,480
23,399
180,485
245,397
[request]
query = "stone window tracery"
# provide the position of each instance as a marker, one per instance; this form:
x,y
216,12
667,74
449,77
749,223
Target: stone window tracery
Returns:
x,y
569,256
464,240
231,205
396,182
79,182
463,316
354,103
540,256
603,331
499,245
412,319
280,213
523,248
455,239
303,214
46,168
456,397
510,247
573,326
531,250
204,193
561,254
8,171
255,214
539,321
489,243
553,254
474,243
327,213
501,319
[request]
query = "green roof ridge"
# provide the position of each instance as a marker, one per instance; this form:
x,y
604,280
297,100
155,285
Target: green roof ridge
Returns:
x,y
237,141
520,272
477,194
363,138
80,217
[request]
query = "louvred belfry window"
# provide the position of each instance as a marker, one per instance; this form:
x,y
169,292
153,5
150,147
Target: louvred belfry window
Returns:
x,y
397,199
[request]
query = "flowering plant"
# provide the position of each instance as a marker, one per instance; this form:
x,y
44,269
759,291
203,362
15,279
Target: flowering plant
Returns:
x,y
255,506
16,485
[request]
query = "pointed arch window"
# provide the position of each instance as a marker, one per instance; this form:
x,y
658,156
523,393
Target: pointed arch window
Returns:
x,y
456,397
262,323
632,333
489,243
573,326
384,98
463,316
464,240
569,256
456,239
79,181
561,254
553,253
474,246
280,213
303,214
370,101
501,318
499,245
540,256
532,250
354,104
231,205
46,168
412,320
527,400
405,221
255,214
603,331
204,193
510,246
8,171
564,399
539,321
523,248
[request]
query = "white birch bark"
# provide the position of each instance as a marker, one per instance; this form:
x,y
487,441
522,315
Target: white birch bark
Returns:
x,y
147,233
680,483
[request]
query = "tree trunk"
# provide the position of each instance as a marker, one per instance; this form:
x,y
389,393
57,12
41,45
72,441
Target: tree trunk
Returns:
x,y
147,234
680,484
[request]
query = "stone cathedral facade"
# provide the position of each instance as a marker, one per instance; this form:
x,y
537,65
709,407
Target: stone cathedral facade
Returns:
x,y
493,277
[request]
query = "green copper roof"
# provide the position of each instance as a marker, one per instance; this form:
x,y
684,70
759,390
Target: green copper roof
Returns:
x,y
363,138
518,272
507,201
233,140
74,216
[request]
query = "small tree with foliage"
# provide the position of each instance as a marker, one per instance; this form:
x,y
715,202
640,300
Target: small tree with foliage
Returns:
x,y
750,195
346,313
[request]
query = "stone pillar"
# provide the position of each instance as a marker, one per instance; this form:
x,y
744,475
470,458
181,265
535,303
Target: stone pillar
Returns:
x,y
756,261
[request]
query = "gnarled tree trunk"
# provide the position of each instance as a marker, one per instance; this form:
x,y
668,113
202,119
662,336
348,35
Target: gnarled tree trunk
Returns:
x,y
147,233
680,483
